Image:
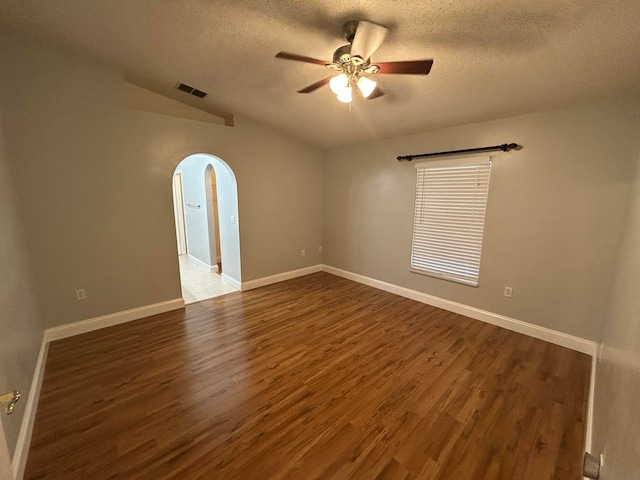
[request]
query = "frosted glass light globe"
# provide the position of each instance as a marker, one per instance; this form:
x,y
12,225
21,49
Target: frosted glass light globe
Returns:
x,y
345,95
339,84
366,86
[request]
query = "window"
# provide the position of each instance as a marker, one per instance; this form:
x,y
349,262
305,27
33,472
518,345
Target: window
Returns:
x,y
451,201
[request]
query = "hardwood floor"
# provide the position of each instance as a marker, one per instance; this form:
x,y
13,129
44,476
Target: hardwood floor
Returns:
x,y
316,377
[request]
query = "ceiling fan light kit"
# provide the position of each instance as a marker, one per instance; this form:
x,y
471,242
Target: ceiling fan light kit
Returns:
x,y
345,96
342,86
339,83
366,86
353,61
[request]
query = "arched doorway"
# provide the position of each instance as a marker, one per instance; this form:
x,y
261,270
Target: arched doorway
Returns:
x,y
207,227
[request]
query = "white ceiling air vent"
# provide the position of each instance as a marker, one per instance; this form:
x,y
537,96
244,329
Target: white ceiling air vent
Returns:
x,y
190,90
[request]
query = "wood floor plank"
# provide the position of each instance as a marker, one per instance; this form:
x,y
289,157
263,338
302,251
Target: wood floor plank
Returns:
x,y
316,377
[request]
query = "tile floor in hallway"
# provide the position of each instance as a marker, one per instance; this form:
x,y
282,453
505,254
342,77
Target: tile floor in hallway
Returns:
x,y
198,283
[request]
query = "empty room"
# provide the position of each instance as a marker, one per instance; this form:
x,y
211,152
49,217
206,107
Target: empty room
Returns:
x,y
319,240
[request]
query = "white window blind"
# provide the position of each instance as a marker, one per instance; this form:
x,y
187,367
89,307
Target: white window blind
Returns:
x,y
451,202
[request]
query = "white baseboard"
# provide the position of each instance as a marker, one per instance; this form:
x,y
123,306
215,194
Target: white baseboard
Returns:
x,y
552,336
206,266
535,331
231,281
280,277
592,395
558,338
71,329
21,452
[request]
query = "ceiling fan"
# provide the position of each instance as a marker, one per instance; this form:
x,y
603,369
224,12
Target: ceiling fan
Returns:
x,y
353,61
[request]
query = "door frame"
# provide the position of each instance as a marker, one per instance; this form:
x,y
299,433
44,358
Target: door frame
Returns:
x,y
178,211
6,468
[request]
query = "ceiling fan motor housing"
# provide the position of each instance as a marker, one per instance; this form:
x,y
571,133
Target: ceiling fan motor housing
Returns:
x,y
342,54
342,57
349,30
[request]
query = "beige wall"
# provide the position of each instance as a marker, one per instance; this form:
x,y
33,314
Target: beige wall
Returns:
x,y
617,424
554,212
85,202
93,185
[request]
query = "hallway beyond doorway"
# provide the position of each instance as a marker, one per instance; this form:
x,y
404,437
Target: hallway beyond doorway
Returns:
x,y
199,284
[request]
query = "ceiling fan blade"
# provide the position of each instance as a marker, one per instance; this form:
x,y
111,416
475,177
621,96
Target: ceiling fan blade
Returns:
x,y
315,86
300,58
375,94
369,36
412,67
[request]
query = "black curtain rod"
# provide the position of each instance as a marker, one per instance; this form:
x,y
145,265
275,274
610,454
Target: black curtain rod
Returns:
x,y
505,147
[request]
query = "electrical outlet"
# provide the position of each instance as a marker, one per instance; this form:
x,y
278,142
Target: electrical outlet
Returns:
x,y
233,219
81,294
320,249
303,253
508,291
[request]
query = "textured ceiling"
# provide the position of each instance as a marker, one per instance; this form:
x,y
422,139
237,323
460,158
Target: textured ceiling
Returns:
x,y
493,58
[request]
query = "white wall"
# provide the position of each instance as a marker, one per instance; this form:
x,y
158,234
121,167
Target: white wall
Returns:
x,y
554,212
194,175
201,238
617,423
94,185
